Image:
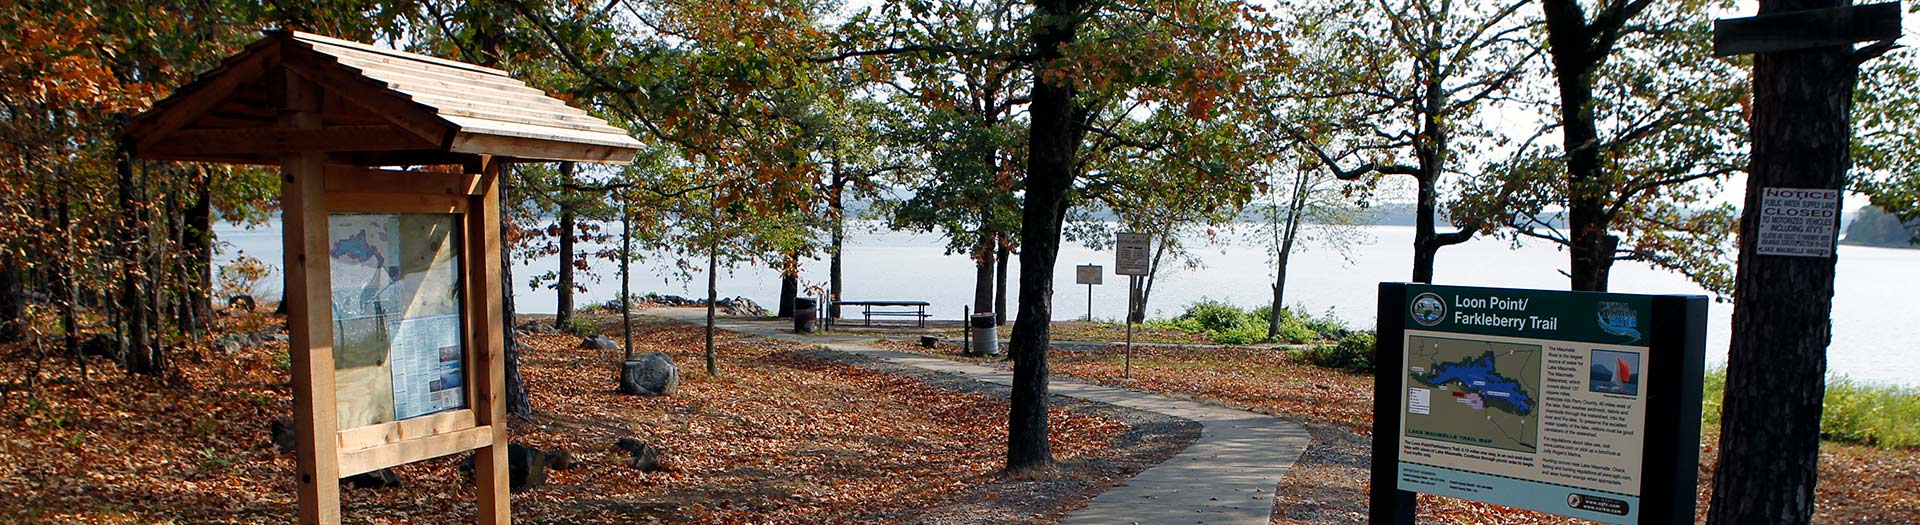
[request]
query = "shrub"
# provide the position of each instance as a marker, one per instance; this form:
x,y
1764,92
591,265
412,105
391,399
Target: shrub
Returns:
x,y
579,326
1885,416
1353,353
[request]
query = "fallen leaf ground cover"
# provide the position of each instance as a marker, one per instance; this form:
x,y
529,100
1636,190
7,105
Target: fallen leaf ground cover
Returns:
x,y
1858,484
780,436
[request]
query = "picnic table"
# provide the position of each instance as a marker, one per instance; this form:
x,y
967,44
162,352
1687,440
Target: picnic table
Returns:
x,y
890,308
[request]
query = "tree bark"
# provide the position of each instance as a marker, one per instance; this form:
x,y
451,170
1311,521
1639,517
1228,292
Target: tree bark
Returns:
x,y
517,402
135,352
713,296
789,284
839,210
13,300
1578,50
563,303
626,278
983,275
1053,140
1000,316
1783,306
198,256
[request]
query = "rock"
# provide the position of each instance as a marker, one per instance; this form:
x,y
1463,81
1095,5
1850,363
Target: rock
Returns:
x,y
535,327
102,345
599,342
229,345
668,300
644,456
649,374
928,341
740,307
278,338
526,467
559,460
378,479
282,436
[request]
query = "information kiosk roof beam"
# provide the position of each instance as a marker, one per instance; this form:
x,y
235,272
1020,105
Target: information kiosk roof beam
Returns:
x,y
331,113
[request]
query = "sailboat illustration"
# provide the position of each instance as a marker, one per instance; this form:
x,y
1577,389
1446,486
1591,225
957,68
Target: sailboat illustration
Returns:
x,y
1621,372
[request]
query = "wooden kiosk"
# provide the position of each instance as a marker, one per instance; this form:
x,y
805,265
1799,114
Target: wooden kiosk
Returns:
x,y
393,275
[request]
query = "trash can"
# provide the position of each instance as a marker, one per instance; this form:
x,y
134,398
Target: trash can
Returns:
x,y
986,334
806,311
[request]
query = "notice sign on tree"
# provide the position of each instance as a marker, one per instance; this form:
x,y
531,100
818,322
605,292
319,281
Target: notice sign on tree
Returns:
x,y
1131,254
1578,404
1798,222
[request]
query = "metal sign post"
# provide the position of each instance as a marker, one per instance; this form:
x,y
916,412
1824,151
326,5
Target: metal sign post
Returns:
x,y
1090,275
1131,258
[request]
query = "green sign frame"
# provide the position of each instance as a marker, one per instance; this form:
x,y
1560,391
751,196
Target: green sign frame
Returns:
x,y
1544,359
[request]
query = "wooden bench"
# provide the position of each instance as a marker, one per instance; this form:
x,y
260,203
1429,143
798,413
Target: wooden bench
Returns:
x,y
868,312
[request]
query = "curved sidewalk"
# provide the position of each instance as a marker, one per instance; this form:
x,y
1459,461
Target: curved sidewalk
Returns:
x,y
1227,476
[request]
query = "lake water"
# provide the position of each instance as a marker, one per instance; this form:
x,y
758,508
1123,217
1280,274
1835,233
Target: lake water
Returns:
x,y
1873,328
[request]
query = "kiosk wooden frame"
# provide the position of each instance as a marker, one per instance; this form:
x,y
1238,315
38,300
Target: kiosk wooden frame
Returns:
x,y
331,113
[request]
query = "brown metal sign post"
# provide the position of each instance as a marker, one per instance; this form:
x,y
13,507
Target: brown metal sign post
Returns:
x,y
394,307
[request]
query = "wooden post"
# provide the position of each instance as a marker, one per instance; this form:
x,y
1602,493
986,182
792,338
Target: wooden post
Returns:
x,y
309,311
485,319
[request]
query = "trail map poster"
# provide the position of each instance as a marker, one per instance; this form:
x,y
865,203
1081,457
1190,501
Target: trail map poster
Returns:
x,y
1526,398
396,314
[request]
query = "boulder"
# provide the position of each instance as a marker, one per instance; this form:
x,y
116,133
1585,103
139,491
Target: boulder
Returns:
x,y
643,456
229,344
559,460
599,342
740,307
282,429
649,374
103,345
526,467
535,327
378,479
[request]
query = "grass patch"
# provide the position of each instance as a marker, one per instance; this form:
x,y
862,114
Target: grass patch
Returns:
x,y
1884,416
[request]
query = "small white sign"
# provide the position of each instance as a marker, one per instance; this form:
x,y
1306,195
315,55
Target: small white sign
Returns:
x,y
1088,274
1131,254
1797,222
1419,401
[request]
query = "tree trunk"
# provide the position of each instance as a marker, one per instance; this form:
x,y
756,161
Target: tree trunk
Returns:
x,y
1575,60
69,292
517,402
789,284
1783,306
1000,316
626,278
713,296
135,348
197,252
983,275
1296,211
13,300
839,210
563,303
1053,139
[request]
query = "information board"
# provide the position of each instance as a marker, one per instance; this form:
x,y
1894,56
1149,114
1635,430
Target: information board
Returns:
x,y
1132,254
1538,399
1798,222
1088,274
396,314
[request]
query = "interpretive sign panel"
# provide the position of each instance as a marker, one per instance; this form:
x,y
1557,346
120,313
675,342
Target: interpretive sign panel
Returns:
x,y
1579,404
1088,274
1798,222
1132,254
398,349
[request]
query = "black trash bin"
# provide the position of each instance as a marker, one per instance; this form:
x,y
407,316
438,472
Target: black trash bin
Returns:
x,y
806,312
986,334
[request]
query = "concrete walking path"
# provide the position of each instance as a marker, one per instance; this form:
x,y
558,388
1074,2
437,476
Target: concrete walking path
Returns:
x,y
1227,476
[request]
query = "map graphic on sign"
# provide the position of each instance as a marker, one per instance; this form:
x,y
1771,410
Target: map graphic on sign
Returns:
x,y
396,315
1480,393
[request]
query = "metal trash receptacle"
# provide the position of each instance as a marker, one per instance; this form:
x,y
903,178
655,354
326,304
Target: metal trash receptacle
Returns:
x,y
806,314
986,334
